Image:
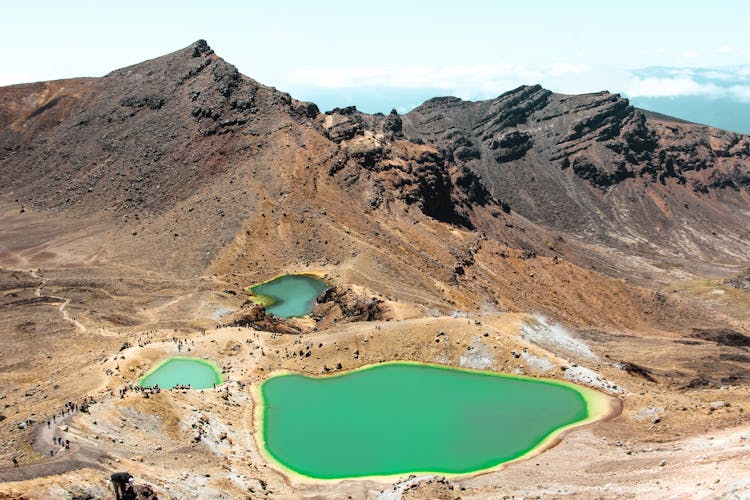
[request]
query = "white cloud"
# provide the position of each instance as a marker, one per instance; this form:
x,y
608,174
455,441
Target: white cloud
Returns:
x,y
661,87
461,78
726,49
718,75
560,69
723,81
683,86
741,91
680,71
482,81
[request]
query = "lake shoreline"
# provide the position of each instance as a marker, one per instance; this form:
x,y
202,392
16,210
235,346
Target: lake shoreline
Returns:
x,y
600,407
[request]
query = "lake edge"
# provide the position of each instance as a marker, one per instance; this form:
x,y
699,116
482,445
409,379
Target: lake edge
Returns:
x,y
600,407
211,364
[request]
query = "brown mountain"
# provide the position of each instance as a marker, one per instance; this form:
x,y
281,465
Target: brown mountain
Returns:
x,y
136,208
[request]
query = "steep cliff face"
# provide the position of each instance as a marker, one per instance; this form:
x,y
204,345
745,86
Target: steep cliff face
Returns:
x,y
373,148
600,137
596,167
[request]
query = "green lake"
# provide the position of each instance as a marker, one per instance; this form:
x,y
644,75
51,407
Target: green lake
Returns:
x,y
195,372
289,295
400,418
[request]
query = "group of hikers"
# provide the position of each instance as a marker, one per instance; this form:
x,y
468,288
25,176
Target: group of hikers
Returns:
x,y
65,443
180,343
70,407
178,387
155,389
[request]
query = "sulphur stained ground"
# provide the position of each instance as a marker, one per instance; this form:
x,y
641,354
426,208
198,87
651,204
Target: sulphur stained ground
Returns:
x,y
289,295
397,418
195,372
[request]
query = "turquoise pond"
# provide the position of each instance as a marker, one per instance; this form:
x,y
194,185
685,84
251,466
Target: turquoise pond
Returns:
x,y
290,295
408,418
195,372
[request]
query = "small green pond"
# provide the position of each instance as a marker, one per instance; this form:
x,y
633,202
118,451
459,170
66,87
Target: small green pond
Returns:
x,y
289,295
400,418
195,372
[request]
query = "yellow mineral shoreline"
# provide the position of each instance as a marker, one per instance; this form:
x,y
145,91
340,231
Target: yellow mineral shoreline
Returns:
x,y
208,362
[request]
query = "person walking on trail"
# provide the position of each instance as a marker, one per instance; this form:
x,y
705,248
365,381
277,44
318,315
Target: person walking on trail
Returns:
x,y
122,481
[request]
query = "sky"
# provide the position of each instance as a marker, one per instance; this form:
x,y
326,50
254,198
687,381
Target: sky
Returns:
x,y
388,54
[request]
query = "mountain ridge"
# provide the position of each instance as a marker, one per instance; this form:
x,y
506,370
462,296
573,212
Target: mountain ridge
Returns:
x,y
569,162
148,138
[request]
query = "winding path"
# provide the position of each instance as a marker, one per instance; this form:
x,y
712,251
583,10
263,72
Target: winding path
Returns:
x,y
63,301
64,460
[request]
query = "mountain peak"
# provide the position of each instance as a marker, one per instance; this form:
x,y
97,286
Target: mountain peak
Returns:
x,y
200,48
178,63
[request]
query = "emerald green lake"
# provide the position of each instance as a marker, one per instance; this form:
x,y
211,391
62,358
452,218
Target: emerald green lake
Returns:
x,y
399,418
195,372
289,295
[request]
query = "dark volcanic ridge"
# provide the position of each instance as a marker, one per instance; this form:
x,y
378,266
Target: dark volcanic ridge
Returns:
x,y
595,166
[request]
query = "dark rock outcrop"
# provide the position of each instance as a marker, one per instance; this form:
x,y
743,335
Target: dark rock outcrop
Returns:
x,y
374,152
723,337
342,303
741,282
254,316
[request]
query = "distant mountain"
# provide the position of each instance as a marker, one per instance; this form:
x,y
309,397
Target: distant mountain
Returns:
x,y
721,112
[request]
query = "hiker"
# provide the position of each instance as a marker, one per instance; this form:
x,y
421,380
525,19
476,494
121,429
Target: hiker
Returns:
x,y
122,481
129,493
15,461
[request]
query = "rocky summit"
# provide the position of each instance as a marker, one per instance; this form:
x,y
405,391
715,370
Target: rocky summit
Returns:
x,y
566,237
